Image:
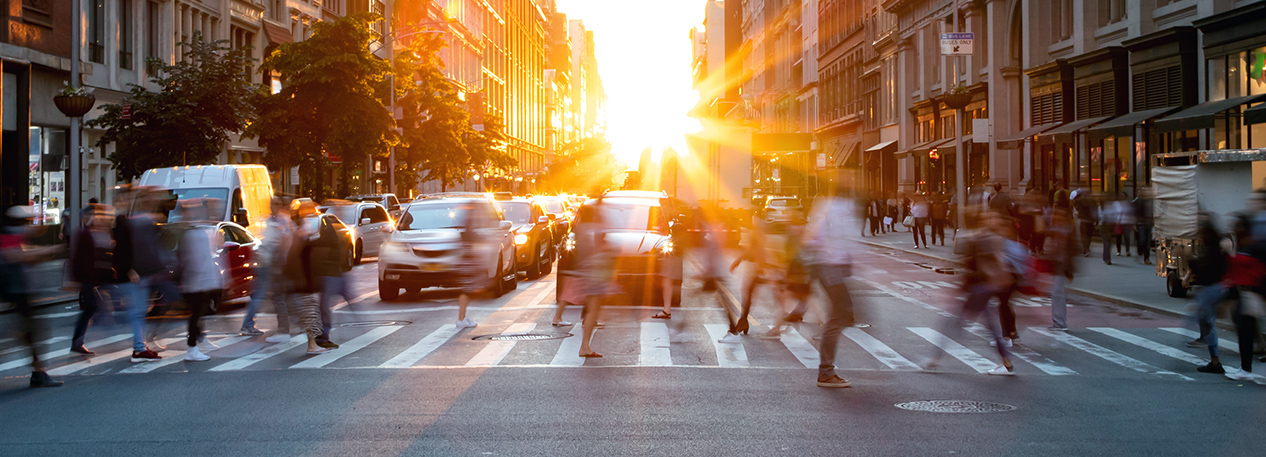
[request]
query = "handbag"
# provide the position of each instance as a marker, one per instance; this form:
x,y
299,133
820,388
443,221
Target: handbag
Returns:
x,y
887,220
908,221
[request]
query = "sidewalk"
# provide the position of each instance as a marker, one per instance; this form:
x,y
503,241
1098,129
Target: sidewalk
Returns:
x,y
45,283
1125,282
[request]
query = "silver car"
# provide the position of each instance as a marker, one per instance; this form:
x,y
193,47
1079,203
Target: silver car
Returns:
x,y
373,225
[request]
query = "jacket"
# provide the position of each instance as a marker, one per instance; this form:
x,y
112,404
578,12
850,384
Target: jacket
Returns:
x,y
298,268
91,260
200,272
329,252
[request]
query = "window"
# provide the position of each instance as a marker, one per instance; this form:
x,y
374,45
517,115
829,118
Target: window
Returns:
x,y
96,31
38,12
125,34
1111,12
1062,26
152,22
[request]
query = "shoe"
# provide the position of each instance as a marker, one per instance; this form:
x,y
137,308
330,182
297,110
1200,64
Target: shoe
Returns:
x,y
833,381
1002,370
600,325
772,334
662,315
465,323
930,364
730,338
794,317
250,331
742,327
80,349
1055,328
318,350
1197,343
278,338
194,355
145,356
1005,342
562,324
1240,375
1212,367
42,379
327,344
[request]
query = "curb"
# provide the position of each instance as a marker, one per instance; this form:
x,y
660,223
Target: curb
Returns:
x,y
44,303
1086,293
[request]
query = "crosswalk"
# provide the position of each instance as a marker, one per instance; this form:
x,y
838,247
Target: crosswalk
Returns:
x,y
1149,352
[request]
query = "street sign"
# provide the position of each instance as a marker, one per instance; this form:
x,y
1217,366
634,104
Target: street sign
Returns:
x,y
125,111
957,44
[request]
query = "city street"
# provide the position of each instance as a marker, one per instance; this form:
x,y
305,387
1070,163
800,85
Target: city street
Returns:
x,y
405,382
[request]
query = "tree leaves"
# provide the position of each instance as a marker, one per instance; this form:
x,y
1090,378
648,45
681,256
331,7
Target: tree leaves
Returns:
x,y
584,165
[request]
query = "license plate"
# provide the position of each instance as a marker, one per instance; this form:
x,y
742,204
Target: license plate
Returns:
x,y
393,276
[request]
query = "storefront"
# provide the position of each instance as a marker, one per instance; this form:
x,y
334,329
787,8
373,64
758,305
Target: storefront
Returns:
x,y
1235,69
1050,106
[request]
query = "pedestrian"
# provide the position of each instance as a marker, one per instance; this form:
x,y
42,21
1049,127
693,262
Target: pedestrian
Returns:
x,y
16,255
875,212
474,278
832,263
302,280
938,212
1016,260
597,273
331,261
90,260
905,211
1144,220
893,212
1108,224
758,273
987,275
1245,277
137,257
1125,224
1087,214
795,284
670,273
920,210
1061,246
201,276
1205,271
267,282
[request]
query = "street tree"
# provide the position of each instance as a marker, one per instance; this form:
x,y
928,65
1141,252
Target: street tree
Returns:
x,y
200,100
331,104
583,165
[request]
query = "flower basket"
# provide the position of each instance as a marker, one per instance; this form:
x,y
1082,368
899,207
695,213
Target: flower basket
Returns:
x,y
74,105
957,100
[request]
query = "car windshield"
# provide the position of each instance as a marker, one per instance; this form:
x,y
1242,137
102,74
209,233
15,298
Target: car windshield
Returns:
x,y
432,216
554,206
169,206
517,212
345,213
632,217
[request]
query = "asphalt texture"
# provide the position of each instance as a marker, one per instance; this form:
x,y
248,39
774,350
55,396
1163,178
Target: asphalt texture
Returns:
x,y
1102,395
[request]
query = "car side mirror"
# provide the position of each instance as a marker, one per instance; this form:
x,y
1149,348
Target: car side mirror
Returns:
x,y
552,216
505,225
239,217
365,221
395,208
542,220
231,246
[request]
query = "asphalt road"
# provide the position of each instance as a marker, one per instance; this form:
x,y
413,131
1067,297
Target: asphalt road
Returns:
x,y
405,383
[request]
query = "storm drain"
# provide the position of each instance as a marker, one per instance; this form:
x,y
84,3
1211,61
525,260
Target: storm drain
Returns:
x,y
955,406
521,337
374,323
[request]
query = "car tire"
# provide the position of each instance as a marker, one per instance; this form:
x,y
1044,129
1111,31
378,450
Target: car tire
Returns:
x,y
534,267
388,291
359,253
1173,285
495,283
512,283
549,266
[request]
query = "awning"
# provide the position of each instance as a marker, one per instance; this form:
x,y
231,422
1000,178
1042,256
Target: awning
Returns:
x,y
1202,116
850,158
883,147
1124,125
1066,131
277,35
942,146
1017,141
1255,115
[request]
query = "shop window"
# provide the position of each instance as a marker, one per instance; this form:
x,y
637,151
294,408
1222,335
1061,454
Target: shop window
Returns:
x,y
1158,88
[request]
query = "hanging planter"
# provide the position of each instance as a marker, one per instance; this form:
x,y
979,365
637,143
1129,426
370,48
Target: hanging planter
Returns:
x,y
74,105
958,97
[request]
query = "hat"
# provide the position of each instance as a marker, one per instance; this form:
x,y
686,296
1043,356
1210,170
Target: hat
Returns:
x,y
20,212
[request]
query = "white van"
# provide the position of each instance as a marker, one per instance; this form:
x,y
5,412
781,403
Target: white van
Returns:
x,y
246,190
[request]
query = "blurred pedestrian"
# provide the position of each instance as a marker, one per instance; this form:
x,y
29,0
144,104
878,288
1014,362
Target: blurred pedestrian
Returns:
x,y
1016,260
1245,277
267,281
474,278
920,210
201,277
137,256
938,212
832,263
757,254
15,257
1061,248
875,212
794,285
1144,220
893,213
300,274
1206,270
1125,224
596,274
1108,225
90,260
332,257
1086,212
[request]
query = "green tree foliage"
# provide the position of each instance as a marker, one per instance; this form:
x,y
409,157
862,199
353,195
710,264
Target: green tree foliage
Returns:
x,y
200,100
439,141
583,166
331,103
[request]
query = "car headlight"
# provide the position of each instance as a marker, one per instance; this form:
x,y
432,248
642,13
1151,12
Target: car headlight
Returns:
x,y
570,243
394,246
520,239
665,248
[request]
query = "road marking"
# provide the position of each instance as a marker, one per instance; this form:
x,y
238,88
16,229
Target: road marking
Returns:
x,y
728,355
261,355
101,359
23,348
423,348
151,366
1194,334
801,348
57,315
359,299
349,347
568,354
1024,353
654,346
1149,344
958,351
1107,354
497,350
879,350
46,356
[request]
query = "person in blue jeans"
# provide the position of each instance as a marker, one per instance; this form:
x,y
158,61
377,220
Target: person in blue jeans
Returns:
x,y
139,255
269,258
832,260
1206,271
330,263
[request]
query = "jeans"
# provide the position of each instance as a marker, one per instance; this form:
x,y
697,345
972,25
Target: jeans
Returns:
x,y
1106,232
88,307
331,288
1207,299
261,289
137,305
1006,313
1124,238
938,230
1059,302
199,303
1144,240
977,305
918,231
839,316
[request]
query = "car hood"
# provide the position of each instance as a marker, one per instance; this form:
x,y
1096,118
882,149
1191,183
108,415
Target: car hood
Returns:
x,y
634,243
437,236
521,227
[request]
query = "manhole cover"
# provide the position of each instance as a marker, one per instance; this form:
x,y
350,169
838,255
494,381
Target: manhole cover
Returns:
x,y
374,323
521,337
955,406
946,271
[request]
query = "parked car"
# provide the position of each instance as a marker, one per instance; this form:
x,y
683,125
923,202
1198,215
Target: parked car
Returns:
x,y
559,209
373,225
778,211
636,227
426,247
533,230
388,201
348,233
236,253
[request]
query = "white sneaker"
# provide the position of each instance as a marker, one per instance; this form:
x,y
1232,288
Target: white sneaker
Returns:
x,y
194,355
278,338
562,324
1005,342
730,338
466,323
1241,375
1002,371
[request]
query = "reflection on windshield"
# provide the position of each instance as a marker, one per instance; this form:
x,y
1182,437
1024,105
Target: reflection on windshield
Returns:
x,y
516,212
345,213
173,214
554,207
632,217
431,217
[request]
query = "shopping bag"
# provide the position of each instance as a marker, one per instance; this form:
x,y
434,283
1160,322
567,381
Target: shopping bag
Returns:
x,y
887,220
908,221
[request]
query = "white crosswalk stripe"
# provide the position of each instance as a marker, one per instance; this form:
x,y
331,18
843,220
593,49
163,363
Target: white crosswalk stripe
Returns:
x,y
26,361
1107,354
261,355
349,347
1194,334
568,354
655,345
728,355
422,348
958,351
171,360
492,354
101,359
879,350
801,348
1047,366
1149,344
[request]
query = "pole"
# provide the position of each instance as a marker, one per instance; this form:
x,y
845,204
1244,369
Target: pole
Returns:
x,y
74,182
961,154
391,104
